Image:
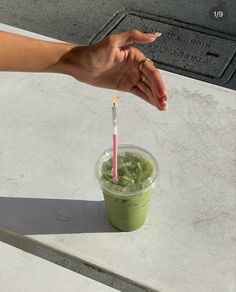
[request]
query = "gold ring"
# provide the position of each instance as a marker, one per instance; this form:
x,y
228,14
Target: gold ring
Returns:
x,y
144,78
143,62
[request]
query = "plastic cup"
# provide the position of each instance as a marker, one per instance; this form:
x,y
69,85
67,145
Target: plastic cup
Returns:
x,y
127,200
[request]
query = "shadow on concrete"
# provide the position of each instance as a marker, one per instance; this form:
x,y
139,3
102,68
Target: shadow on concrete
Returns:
x,y
28,216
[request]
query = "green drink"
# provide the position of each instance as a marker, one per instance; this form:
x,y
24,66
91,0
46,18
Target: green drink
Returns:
x,y
127,200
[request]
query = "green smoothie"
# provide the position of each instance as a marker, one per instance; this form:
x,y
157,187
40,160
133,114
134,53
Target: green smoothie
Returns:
x,y
127,200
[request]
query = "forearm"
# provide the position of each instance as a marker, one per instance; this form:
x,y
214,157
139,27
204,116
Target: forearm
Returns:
x,y
24,54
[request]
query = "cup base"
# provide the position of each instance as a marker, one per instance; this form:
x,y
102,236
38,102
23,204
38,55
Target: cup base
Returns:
x,y
123,226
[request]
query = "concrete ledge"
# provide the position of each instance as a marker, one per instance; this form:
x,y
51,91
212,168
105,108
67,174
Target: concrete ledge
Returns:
x,y
24,272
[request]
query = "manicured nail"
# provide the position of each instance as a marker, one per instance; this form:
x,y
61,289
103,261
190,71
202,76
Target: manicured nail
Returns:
x,y
165,97
151,35
163,104
154,35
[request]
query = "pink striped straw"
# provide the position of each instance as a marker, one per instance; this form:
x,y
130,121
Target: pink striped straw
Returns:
x,y
114,169
115,139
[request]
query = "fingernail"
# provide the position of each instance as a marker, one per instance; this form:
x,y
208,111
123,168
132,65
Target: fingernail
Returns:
x,y
163,104
152,35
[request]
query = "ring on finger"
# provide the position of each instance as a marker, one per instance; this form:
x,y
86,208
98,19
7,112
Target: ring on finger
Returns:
x,y
145,79
143,62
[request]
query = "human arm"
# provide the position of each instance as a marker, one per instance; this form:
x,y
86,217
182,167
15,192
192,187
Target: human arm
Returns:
x,y
110,63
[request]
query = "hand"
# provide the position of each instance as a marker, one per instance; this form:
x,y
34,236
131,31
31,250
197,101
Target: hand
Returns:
x,y
112,63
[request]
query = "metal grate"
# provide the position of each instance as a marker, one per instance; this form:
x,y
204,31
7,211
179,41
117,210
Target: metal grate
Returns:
x,y
182,48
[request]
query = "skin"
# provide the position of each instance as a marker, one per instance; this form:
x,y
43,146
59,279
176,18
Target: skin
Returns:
x,y
111,63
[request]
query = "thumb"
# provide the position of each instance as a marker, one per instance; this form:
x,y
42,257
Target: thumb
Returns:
x,y
132,36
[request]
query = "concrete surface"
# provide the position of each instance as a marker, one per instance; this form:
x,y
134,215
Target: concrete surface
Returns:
x,y
52,130
21,271
80,20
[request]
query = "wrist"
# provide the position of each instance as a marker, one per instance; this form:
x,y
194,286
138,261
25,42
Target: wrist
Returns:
x,y
61,60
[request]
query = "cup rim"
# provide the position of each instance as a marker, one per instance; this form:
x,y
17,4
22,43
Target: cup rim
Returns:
x,y
108,152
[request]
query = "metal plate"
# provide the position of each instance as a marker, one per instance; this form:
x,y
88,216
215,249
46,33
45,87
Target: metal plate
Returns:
x,y
182,48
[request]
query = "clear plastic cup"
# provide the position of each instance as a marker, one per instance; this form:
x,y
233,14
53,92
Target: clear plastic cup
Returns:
x,y
127,200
